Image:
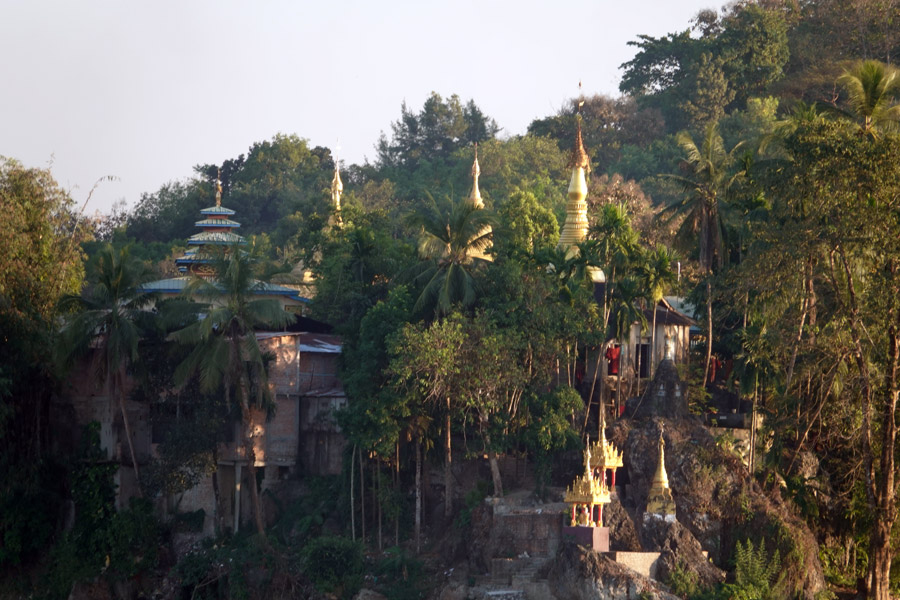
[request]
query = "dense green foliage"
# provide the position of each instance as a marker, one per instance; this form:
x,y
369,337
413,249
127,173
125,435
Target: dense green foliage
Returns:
x,y
785,215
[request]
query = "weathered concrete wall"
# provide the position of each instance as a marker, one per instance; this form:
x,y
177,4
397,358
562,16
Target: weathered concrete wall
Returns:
x,y
645,563
519,532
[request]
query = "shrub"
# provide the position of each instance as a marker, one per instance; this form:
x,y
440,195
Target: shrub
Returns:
x,y
754,573
334,564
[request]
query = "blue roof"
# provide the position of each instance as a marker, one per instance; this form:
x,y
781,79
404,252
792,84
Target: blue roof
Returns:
x,y
217,223
215,237
177,285
216,210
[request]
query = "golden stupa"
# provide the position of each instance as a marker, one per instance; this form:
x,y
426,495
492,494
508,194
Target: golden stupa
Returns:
x,y
659,500
475,199
575,227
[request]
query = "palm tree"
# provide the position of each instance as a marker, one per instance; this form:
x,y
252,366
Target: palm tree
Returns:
x,y
452,237
625,313
871,87
656,277
110,317
711,176
225,350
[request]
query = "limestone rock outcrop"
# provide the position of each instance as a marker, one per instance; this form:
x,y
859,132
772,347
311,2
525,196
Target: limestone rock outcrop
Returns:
x,y
580,574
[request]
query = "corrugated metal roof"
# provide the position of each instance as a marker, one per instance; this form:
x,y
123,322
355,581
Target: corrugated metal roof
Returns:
x,y
334,392
319,343
666,314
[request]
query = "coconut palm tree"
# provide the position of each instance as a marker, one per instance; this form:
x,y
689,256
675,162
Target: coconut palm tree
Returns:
x,y
625,313
452,237
871,88
656,276
711,175
110,317
226,353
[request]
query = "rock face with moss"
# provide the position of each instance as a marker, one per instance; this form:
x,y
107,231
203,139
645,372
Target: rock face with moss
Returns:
x,y
718,503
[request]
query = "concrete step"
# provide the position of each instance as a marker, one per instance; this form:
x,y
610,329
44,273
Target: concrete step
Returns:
x,y
509,594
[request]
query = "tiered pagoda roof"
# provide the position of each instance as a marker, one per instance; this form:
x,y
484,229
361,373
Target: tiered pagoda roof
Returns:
x,y
216,229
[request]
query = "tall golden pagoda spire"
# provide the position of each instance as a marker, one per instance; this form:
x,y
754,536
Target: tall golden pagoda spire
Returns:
x,y
337,186
475,196
575,228
476,201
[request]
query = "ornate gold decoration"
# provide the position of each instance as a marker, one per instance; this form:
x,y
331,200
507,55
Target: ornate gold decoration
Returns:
x,y
604,454
586,491
337,187
575,227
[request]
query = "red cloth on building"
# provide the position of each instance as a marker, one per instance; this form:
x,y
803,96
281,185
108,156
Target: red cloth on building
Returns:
x,y
612,355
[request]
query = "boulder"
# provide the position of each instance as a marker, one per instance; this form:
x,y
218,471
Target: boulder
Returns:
x,y
580,574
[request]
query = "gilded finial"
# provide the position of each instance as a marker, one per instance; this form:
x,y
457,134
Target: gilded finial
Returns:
x,y
661,478
475,196
579,158
218,187
337,186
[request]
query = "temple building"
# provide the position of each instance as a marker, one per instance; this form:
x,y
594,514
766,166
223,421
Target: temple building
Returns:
x,y
217,231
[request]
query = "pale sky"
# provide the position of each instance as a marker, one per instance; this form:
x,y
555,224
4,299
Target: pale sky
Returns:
x,y
143,91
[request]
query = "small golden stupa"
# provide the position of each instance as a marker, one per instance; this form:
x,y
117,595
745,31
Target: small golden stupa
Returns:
x,y
660,503
586,492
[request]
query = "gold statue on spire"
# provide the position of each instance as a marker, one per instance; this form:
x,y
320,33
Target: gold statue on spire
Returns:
x,y
218,188
475,196
337,187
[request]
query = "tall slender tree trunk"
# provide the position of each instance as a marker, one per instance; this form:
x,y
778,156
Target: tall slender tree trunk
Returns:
x,y
653,361
250,453
448,464
886,510
587,410
709,330
352,503
379,496
362,497
492,460
118,380
418,531
396,477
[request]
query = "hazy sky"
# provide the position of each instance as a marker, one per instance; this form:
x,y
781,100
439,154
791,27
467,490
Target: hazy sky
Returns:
x,y
143,91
